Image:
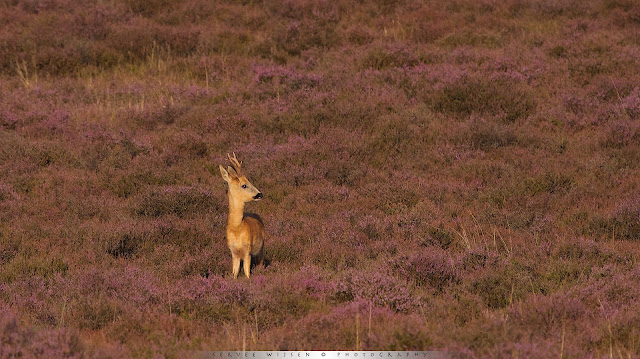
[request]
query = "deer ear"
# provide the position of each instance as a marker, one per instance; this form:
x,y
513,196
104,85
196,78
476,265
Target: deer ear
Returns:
x,y
225,174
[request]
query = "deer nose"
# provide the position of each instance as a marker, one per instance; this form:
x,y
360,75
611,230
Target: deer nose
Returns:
x,y
258,196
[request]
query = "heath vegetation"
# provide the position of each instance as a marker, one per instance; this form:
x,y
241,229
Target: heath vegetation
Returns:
x,y
438,175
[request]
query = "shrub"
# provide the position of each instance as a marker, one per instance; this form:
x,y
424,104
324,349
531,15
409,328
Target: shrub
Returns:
x,y
495,97
147,8
282,252
197,297
8,120
583,249
96,313
307,25
392,56
380,288
21,267
553,183
132,183
215,261
155,116
360,36
558,51
430,266
504,282
547,313
125,244
438,236
624,223
626,219
486,136
621,133
471,38
18,341
177,200
494,290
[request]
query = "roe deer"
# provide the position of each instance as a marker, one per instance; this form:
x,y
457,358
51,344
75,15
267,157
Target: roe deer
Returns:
x,y
245,232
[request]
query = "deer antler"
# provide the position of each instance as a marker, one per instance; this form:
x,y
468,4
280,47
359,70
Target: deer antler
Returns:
x,y
237,165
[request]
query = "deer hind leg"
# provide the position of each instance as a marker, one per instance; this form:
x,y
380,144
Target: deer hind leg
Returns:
x,y
235,266
259,258
247,264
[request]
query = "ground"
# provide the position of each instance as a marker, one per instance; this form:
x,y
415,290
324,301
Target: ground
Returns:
x,y
459,175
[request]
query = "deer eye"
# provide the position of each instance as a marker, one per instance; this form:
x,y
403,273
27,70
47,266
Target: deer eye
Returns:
x,y
244,186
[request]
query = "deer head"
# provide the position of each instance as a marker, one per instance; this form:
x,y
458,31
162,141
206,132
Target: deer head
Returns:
x,y
239,186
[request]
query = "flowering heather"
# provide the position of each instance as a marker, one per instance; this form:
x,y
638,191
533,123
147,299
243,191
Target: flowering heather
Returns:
x,y
458,176
429,267
20,342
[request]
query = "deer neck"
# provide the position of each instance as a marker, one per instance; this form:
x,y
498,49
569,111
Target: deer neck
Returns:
x,y
236,212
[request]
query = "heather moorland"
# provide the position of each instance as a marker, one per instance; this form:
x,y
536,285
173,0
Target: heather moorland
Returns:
x,y
438,175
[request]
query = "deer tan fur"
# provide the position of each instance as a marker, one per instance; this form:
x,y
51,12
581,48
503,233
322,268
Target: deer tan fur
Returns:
x,y
245,231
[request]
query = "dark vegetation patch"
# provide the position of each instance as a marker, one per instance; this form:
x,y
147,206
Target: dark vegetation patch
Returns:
x,y
176,200
502,99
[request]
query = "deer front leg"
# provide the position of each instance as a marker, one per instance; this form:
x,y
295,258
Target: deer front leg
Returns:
x,y
247,264
235,266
